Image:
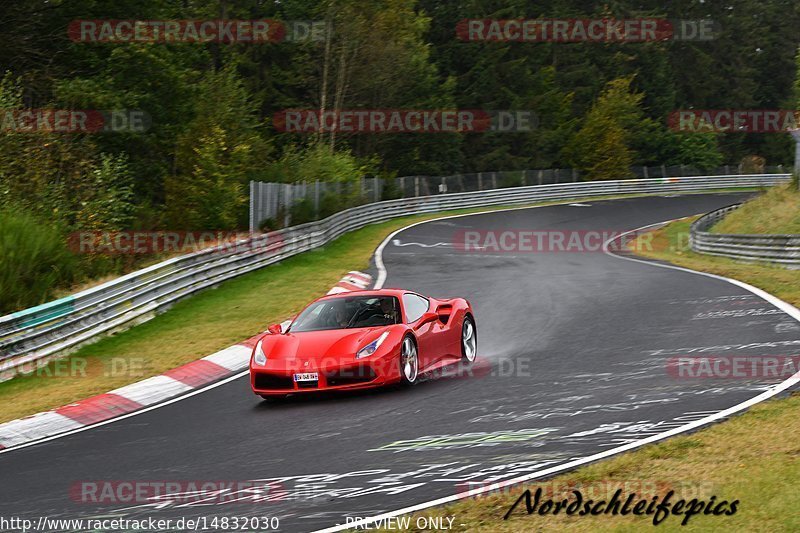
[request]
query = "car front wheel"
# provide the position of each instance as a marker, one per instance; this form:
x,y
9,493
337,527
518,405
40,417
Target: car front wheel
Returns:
x,y
409,361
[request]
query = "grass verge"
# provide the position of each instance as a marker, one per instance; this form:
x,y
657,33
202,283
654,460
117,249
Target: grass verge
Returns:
x,y
777,212
754,458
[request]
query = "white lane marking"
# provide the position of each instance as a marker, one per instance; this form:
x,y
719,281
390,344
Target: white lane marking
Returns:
x,y
580,205
769,393
381,267
135,413
398,242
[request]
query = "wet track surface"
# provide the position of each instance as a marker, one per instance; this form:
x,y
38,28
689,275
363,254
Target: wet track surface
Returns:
x,y
573,354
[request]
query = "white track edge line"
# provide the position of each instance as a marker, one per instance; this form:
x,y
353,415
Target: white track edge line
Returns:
x,y
128,415
777,389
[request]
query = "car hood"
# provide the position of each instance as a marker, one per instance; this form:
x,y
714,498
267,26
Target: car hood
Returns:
x,y
316,346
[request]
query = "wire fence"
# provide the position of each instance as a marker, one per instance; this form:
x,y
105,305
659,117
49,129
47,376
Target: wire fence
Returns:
x,y
279,205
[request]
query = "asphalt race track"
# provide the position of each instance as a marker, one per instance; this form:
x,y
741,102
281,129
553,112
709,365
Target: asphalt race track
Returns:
x,y
573,351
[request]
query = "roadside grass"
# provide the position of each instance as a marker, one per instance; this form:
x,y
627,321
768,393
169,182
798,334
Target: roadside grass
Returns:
x,y
207,322
753,457
777,212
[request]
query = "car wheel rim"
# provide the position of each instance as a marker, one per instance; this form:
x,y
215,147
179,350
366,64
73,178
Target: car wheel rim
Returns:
x,y
410,362
469,340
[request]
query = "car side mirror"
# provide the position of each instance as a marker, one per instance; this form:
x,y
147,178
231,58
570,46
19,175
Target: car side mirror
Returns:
x,y
275,329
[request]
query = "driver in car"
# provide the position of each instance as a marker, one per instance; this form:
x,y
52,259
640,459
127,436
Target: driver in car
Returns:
x,y
382,314
340,316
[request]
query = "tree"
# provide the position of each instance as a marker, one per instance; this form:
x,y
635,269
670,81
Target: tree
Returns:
x,y
215,157
602,146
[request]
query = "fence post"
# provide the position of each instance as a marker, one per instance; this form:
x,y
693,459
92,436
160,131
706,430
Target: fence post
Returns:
x,y
480,181
541,176
644,172
252,207
494,180
316,198
402,187
416,186
574,176
287,204
376,189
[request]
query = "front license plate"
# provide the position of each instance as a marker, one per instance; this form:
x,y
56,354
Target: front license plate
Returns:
x,y
307,376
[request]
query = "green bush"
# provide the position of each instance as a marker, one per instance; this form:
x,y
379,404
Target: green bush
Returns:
x,y
302,211
330,203
34,261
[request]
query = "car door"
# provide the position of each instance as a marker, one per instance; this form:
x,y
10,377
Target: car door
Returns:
x,y
415,306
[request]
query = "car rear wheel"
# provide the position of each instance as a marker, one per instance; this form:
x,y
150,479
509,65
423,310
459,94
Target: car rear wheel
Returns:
x,y
469,340
409,361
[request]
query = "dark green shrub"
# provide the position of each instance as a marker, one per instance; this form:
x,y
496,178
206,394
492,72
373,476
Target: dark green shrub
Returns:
x,y
34,261
302,211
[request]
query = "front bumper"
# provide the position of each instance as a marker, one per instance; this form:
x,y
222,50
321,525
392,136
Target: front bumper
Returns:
x,y
276,380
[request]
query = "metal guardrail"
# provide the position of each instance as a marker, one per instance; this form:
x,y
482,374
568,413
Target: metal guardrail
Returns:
x,y
38,334
779,249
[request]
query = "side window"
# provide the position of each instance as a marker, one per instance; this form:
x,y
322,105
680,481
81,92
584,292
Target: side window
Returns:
x,y
415,306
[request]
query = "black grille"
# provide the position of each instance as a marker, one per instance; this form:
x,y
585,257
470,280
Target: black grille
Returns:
x,y
273,382
350,376
307,384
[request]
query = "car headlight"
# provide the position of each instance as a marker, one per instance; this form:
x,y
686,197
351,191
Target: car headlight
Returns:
x,y
372,347
259,358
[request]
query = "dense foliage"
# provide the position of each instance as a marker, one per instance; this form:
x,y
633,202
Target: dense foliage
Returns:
x,y
602,107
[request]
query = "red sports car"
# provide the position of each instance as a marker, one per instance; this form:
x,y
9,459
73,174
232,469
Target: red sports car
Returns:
x,y
363,339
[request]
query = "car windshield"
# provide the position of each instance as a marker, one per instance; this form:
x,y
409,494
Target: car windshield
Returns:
x,y
348,313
